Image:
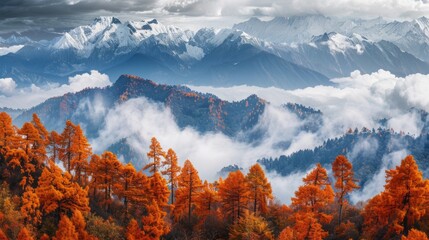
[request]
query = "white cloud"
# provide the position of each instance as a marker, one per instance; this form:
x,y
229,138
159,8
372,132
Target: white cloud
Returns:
x,y
7,86
366,8
360,100
29,97
139,120
376,184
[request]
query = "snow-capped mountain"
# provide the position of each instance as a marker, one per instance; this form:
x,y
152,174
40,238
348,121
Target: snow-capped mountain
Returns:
x,y
289,52
336,55
410,36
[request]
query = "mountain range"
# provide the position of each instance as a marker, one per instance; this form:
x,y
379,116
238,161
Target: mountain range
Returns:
x,y
289,53
239,120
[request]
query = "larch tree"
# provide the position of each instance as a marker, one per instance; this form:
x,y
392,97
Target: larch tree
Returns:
x,y
66,230
67,148
206,201
345,182
80,225
188,189
104,173
158,190
155,153
259,188
309,203
30,208
43,132
79,161
133,230
20,167
154,225
401,205
54,146
234,195
57,193
33,144
252,227
7,131
172,170
132,187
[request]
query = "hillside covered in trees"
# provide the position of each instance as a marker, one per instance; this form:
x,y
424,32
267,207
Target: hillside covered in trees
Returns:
x,y
54,187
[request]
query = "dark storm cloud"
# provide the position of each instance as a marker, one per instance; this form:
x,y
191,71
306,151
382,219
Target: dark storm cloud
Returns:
x,y
61,8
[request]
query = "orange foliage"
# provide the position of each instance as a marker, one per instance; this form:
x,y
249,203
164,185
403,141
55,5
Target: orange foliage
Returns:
x,y
155,153
309,204
24,234
345,182
259,189
30,207
403,202
57,192
252,227
172,171
66,230
234,194
153,223
415,235
189,188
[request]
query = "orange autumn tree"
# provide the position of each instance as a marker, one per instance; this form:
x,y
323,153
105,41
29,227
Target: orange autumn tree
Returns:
x,y
57,193
54,146
104,173
33,144
344,182
400,206
172,171
158,190
252,227
125,187
188,189
155,153
66,230
259,189
206,201
30,208
7,131
82,152
234,195
67,149
43,132
154,225
310,202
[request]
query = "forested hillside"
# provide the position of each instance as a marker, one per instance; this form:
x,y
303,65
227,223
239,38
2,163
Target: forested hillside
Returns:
x,y
54,187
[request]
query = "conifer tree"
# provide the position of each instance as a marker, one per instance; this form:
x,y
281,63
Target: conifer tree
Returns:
x,y
187,192
172,171
155,153
344,182
66,230
234,195
259,189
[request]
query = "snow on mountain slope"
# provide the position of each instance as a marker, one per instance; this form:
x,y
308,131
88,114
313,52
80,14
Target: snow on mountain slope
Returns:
x,y
110,32
410,36
336,55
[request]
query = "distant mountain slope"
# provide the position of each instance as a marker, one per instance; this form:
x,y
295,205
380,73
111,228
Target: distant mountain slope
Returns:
x,y
365,149
203,112
336,55
411,36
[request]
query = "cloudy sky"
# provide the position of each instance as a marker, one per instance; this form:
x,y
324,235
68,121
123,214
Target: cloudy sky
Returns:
x,y
56,14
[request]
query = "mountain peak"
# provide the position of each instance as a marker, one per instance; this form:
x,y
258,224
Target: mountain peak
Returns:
x,y
107,20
